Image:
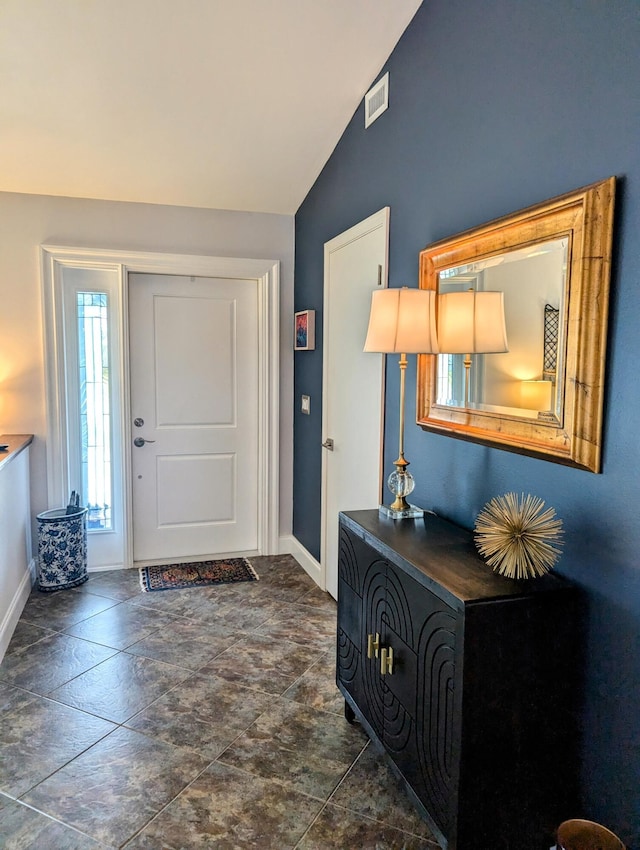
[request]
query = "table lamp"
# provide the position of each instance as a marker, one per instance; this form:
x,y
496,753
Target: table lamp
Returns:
x,y
402,321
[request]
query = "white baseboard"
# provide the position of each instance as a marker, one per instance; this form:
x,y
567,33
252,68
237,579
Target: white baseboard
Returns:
x,y
16,606
33,571
104,569
290,545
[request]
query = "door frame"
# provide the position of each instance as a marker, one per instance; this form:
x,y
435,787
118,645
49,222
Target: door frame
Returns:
x,y
266,273
377,220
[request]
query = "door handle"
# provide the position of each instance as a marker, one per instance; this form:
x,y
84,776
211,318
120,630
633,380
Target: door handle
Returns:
x,y
140,441
328,444
373,645
386,661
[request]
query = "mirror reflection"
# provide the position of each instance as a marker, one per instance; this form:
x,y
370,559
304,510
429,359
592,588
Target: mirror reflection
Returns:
x,y
542,395
523,375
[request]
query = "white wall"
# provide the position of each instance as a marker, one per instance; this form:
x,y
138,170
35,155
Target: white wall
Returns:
x,y
27,221
528,285
15,542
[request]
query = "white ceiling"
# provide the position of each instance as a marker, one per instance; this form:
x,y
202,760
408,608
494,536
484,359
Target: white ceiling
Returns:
x,y
226,104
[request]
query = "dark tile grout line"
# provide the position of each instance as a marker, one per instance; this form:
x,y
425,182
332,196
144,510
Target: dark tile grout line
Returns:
x,y
61,766
123,724
241,634
57,820
326,802
243,769
361,814
277,596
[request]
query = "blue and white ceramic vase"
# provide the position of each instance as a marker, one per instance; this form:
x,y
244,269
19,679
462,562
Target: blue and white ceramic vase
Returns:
x,y
62,549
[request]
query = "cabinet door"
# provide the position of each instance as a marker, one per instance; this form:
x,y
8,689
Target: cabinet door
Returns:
x,y
412,708
352,665
376,692
439,715
390,692
420,713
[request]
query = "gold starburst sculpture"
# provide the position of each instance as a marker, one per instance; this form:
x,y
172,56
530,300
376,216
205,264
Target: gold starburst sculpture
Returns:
x,y
517,537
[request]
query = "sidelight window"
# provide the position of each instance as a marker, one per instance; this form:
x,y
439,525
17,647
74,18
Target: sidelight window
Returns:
x,y
85,398
94,407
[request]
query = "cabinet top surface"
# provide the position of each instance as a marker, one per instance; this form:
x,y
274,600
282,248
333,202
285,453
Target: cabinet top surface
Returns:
x,y
15,443
434,550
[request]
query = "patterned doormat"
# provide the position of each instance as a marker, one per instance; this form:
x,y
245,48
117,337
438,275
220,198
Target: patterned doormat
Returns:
x,y
197,574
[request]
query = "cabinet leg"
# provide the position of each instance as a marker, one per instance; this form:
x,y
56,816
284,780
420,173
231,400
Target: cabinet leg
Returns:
x,y
349,713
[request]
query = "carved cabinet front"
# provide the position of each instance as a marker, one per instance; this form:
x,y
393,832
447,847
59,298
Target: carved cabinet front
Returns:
x,y
442,668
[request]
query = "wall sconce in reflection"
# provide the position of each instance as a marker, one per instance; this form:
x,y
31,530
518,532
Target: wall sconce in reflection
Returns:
x,y
536,395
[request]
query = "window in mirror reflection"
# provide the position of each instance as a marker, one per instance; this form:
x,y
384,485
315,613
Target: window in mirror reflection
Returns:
x,y
524,380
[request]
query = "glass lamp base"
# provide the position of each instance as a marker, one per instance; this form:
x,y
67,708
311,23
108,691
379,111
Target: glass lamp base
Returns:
x,y
410,512
401,484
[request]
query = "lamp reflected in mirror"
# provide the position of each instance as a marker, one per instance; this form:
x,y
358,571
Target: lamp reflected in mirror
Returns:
x,y
469,323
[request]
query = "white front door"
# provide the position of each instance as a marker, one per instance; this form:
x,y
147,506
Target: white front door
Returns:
x,y
194,367
355,264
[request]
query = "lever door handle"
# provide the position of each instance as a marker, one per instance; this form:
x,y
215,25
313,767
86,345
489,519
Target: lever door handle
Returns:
x,y
140,441
328,444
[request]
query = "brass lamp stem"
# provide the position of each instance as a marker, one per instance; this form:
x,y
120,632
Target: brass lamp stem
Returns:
x,y
467,375
400,503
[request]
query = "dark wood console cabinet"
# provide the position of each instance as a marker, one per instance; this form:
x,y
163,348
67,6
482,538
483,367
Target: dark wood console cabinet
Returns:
x,y
466,679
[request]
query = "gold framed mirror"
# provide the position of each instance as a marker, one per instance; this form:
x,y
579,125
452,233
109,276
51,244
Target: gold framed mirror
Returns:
x,y
540,392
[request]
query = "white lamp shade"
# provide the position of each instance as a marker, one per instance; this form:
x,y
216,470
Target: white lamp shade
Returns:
x,y
402,320
472,323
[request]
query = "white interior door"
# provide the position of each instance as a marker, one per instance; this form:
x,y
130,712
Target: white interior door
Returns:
x,y
194,410
355,264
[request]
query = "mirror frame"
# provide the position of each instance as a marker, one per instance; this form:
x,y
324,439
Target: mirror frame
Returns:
x,y
586,218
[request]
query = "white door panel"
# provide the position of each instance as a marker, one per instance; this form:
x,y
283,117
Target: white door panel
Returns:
x,y
195,378
355,266
194,383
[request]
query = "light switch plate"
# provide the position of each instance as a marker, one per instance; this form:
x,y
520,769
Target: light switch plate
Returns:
x,y
306,404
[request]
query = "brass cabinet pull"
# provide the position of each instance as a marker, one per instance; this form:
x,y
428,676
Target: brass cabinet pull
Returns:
x,y
386,661
373,645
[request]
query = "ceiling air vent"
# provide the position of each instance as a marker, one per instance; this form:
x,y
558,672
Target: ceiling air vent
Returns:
x,y
376,100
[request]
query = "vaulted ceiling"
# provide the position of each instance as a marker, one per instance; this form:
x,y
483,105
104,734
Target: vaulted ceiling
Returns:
x,y
226,104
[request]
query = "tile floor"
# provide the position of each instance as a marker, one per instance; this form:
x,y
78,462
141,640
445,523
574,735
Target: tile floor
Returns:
x,y
204,718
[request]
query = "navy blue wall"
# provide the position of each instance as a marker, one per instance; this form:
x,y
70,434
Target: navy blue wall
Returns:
x,y
496,105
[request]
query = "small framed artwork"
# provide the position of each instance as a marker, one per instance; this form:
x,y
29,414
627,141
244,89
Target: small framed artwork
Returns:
x,y
305,330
